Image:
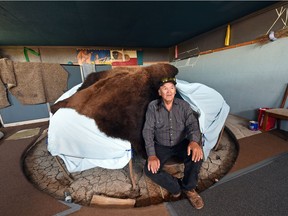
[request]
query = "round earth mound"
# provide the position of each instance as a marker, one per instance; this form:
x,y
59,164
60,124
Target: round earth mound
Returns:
x,y
45,172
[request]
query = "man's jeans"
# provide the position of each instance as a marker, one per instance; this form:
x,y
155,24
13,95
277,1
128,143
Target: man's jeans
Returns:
x,y
167,181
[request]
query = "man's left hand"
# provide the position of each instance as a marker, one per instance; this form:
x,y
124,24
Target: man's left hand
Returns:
x,y
197,153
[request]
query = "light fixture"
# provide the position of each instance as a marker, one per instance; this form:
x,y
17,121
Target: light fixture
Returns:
x,y
272,36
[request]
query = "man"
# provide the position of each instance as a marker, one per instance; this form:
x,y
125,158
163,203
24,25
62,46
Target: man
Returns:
x,y
171,129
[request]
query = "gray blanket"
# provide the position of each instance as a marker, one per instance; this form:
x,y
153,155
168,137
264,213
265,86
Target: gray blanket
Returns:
x,y
31,82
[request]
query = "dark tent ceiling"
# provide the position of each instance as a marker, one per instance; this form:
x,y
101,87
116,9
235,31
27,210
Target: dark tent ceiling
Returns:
x,y
119,24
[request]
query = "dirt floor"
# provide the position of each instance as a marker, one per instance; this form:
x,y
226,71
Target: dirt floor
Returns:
x,y
46,174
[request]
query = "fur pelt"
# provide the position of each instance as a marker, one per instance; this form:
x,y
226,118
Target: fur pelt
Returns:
x,y
117,100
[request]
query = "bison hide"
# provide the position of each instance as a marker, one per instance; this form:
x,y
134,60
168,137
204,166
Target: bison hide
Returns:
x,y
117,100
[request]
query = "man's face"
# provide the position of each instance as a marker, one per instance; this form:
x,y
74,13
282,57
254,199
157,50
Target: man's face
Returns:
x,y
167,91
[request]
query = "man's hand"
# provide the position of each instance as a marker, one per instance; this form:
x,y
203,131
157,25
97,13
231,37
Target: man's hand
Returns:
x,y
197,153
153,164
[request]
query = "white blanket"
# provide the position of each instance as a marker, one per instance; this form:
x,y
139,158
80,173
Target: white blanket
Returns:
x,y
211,107
78,141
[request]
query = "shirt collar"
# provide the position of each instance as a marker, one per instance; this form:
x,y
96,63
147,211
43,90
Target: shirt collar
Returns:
x,y
175,102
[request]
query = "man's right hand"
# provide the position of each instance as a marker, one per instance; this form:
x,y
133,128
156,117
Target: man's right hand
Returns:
x,y
153,164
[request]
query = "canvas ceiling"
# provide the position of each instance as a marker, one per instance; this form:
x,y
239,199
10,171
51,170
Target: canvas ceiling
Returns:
x,y
159,24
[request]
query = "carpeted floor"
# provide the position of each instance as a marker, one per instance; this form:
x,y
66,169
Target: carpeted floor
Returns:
x,y
17,195
258,192
262,192
256,185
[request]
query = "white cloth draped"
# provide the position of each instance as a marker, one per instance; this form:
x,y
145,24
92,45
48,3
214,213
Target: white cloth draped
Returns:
x,y
78,141
211,107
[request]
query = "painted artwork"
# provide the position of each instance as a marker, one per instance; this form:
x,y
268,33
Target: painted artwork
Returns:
x,y
90,56
111,57
124,57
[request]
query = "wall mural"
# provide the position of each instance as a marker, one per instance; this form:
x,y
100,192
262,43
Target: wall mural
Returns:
x,y
112,57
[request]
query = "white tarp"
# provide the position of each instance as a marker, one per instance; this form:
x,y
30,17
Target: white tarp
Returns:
x,y
78,141
211,107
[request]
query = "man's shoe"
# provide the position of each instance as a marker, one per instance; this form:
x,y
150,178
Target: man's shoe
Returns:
x,y
195,199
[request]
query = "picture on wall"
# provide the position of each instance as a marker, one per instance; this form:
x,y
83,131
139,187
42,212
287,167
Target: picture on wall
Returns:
x,y
91,56
124,57
110,57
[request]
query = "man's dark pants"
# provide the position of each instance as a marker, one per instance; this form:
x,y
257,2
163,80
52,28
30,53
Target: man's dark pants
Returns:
x,y
167,181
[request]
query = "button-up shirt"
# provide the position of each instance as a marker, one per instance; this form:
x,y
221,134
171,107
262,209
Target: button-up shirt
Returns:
x,y
169,128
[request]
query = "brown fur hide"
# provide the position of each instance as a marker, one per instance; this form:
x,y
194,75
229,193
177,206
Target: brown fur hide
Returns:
x,y
117,100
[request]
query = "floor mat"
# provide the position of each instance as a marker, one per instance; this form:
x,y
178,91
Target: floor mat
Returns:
x,y
260,192
22,134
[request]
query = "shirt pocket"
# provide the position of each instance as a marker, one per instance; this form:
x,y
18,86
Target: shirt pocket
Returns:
x,y
160,124
180,124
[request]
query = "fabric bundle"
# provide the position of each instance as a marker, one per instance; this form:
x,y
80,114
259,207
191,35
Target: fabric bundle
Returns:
x,y
31,82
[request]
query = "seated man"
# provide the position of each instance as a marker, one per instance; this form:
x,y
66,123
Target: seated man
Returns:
x,y
171,129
